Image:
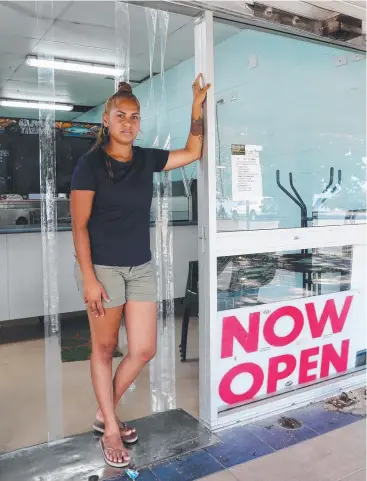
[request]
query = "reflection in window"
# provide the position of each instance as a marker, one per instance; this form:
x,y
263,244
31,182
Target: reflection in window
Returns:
x,y
267,121
256,279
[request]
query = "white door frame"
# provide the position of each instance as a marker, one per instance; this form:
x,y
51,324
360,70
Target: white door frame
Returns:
x,y
207,222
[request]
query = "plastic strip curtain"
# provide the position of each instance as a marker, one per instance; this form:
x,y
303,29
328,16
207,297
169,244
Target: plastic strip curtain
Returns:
x,y
122,66
122,42
163,367
47,161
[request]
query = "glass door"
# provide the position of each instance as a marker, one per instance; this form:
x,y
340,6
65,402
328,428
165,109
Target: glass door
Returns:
x,y
44,334
285,257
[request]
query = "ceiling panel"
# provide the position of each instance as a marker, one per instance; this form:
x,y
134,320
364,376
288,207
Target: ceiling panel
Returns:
x,y
91,13
14,21
75,52
78,34
29,7
138,18
25,74
70,35
8,65
103,14
24,89
15,44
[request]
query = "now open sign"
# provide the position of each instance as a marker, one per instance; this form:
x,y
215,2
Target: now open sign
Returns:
x,y
267,350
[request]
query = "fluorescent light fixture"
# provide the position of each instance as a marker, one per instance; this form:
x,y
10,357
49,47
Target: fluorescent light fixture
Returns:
x,y
72,66
24,104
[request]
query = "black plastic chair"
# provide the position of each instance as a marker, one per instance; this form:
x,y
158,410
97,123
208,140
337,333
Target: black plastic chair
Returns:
x,y
248,274
190,304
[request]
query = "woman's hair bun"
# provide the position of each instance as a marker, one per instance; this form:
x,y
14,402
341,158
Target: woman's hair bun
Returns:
x,y
125,87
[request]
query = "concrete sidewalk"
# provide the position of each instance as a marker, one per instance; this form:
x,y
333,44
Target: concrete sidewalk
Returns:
x,y
335,456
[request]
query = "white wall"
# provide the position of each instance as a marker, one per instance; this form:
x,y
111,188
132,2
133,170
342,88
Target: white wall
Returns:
x,y
4,297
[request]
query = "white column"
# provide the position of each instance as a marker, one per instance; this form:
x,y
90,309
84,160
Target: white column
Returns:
x,y
204,63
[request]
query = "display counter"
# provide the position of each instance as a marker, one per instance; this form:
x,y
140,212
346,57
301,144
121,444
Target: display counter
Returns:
x,y
18,213
21,280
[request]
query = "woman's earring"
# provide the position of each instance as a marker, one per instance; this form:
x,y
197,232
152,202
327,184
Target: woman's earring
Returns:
x,y
140,132
106,134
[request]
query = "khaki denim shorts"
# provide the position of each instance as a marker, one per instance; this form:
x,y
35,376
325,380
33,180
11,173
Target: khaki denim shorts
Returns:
x,y
123,283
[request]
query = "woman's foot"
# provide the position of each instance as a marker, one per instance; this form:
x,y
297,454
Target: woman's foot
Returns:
x,y
128,434
113,451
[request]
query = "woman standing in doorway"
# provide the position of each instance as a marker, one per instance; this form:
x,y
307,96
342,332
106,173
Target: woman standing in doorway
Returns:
x,y
112,190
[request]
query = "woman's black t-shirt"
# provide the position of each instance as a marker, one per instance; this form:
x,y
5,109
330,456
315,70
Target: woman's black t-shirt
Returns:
x,y
120,219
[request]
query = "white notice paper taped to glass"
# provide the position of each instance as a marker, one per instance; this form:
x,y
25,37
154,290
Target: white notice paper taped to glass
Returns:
x,y
246,172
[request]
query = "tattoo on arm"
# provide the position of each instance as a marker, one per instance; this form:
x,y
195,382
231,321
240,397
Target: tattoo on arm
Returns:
x,y
197,127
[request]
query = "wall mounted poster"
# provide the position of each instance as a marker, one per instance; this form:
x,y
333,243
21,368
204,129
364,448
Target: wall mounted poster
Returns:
x,y
246,172
31,126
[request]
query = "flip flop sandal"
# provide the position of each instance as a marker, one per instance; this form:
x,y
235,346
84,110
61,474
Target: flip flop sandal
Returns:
x,y
126,438
106,450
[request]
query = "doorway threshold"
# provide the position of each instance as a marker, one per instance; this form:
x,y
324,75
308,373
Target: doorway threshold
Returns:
x,y
162,436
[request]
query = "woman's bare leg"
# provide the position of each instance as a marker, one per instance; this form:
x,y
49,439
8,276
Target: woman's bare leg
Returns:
x,y
104,335
141,327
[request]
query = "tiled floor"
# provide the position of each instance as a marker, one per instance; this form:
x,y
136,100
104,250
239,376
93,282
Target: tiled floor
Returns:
x,y
328,446
22,381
